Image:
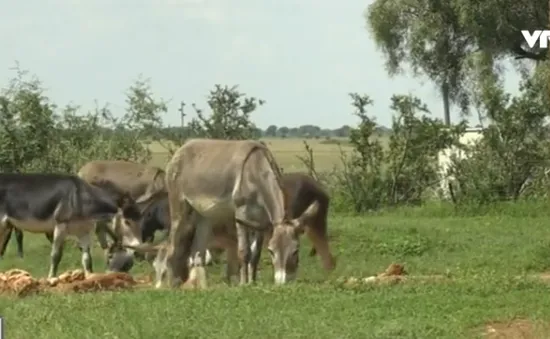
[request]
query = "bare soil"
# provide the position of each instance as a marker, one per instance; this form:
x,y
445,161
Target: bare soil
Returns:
x,y
516,329
545,276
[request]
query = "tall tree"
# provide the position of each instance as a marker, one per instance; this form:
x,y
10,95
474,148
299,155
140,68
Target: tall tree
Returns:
x,y
496,25
428,37
447,40
271,131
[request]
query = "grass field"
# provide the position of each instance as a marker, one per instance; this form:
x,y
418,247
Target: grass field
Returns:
x,y
492,267
487,261
326,155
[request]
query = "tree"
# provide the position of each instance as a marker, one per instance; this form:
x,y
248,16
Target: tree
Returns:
x,y
495,26
271,131
283,131
230,117
27,121
428,36
309,130
36,136
512,158
446,40
373,176
343,131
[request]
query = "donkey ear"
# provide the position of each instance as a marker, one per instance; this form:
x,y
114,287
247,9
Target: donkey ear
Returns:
x,y
299,227
309,213
146,248
301,222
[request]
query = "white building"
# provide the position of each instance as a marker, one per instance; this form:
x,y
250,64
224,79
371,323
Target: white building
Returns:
x,y
470,137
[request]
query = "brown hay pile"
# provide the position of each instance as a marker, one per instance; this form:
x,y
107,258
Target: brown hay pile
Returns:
x,y
21,283
98,282
18,282
395,273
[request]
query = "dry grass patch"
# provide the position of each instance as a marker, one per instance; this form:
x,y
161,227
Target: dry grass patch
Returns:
x,y
516,329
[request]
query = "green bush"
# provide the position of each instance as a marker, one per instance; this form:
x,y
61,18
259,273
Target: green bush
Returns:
x,y
36,136
373,177
508,164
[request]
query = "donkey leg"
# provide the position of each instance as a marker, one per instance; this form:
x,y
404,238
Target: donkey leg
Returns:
x,y
19,241
256,253
7,237
59,234
84,235
200,242
101,236
232,265
178,252
49,236
244,252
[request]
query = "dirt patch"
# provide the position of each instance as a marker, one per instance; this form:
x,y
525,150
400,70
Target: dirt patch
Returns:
x,y
545,276
515,329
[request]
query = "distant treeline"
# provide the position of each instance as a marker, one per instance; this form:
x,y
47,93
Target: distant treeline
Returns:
x,y
304,131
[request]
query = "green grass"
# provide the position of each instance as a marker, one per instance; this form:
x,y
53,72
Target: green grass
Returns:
x,y
483,256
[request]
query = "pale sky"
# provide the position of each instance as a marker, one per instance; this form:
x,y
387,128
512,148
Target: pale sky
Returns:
x,y
301,56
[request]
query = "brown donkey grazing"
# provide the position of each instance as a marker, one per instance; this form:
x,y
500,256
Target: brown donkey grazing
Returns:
x,y
212,181
143,183
302,189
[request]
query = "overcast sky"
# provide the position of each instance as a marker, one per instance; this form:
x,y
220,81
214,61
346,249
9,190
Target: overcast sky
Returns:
x,y
301,56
